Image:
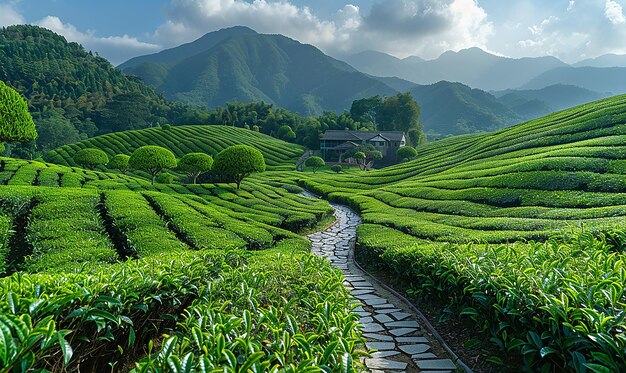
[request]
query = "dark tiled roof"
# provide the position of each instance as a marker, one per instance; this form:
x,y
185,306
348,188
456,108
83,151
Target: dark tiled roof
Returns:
x,y
345,146
361,135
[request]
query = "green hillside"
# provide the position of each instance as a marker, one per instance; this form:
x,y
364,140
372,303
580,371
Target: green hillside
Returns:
x,y
74,92
182,140
240,65
520,232
529,181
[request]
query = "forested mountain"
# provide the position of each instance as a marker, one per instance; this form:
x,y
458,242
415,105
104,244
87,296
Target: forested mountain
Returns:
x,y
73,93
240,65
454,108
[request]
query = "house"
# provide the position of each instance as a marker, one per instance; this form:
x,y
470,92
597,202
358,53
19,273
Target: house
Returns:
x,y
334,143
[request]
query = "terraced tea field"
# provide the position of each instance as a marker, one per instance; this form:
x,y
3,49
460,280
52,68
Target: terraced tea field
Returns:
x,y
104,268
520,231
182,140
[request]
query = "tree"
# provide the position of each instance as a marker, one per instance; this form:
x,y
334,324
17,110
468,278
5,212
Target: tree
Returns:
x,y
152,159
286,133
119,162
399,113
16,124
336,168
55,130
90,158
195,164
315,163
406,152
366,109
238,162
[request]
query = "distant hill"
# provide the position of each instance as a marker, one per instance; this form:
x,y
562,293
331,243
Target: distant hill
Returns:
x,y
473,67
555,97
454,108
609,81
607,60
238,64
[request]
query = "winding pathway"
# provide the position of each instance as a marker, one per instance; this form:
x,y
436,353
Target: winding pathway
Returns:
x,y
402,344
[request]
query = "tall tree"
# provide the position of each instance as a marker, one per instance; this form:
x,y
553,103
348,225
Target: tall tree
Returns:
x,y
399,113
16,124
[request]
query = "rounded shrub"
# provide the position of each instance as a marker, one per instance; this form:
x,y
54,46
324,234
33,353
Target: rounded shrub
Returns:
x,y
90,158
119,162
336,168
16,123
195,164
406,152
152,159
315,163
238,162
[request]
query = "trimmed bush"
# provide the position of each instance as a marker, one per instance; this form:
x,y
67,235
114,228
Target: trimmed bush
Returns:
x,y
315,163
195,164
90,158
238,162
119,162
406,153
152,159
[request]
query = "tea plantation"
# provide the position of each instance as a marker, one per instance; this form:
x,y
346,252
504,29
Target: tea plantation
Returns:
x,y
517,231
103,270
182,140
520,231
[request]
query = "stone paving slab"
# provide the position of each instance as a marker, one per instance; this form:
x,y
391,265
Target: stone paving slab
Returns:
x,y
394,333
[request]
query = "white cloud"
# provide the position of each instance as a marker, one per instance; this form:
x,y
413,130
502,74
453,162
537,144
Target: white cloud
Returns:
x,y
400,27
115,48
613,12
9,16
571,5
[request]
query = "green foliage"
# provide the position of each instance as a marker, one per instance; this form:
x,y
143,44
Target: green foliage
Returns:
x,y
406,153
315,163
152,159
91,93
336,168
164,178
119,162
54,129
238,162
16,124
291,317
359,155
286,133
91,158
195,164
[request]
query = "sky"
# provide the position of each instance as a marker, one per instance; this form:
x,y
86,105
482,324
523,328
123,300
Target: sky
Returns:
x,y
571,30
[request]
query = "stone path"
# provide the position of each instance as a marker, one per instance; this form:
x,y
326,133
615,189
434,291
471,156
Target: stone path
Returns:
x,y
390,328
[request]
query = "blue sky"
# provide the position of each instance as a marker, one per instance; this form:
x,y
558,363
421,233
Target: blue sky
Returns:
x,y
568,29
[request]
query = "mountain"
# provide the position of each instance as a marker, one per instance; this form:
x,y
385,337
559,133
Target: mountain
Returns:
x,y
554,97
238,64
72,93
473,67
609,80
607,60
453,108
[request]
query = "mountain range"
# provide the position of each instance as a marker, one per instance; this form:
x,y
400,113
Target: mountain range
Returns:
x,y
476,68
240,65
